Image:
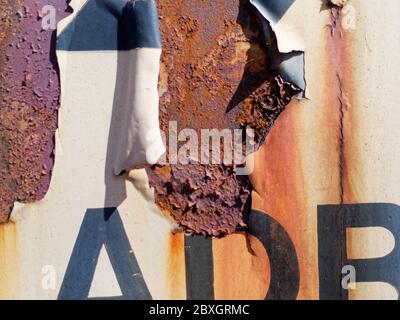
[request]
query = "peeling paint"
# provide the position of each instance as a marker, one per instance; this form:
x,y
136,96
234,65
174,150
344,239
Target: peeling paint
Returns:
x,y
29,90
339,147
216,66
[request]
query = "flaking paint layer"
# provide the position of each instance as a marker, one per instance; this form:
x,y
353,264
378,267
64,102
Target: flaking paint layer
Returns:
x,y
216,74
29,99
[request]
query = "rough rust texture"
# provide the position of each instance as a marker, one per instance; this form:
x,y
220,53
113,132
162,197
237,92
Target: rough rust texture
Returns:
x,y
214,75
263,106
207,200
29,93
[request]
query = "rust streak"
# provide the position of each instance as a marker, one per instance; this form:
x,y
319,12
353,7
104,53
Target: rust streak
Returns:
x,y
339,57
342,158
176,267
9,261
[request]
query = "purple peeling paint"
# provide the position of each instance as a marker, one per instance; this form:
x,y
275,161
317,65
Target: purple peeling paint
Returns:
x,y
29,100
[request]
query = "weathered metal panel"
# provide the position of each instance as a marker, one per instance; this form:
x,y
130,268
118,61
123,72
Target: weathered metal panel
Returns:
x,y
324,185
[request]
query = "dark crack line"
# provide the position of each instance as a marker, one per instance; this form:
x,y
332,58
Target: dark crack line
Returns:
x,y
341,138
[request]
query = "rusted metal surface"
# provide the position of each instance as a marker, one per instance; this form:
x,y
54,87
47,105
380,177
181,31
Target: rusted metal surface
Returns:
x,y
215,74
29,91
337,147
6,9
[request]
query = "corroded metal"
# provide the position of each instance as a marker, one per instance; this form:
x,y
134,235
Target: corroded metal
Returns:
x,y
29,91
215,74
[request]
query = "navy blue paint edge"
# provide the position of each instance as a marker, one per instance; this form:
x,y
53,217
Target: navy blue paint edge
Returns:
x,y
285,273
277,8
107,25
333,220
199,268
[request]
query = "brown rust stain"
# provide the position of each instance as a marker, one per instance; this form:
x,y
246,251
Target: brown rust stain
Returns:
x,y
215,75
9,261
341,56
340,100
6,10
343,96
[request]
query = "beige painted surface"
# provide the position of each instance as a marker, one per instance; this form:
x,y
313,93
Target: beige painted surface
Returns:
x,y
372,123
369,243
373,291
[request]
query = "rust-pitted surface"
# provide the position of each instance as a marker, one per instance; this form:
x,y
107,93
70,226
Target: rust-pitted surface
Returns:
x,y
6,9
214,75
29,99
208,200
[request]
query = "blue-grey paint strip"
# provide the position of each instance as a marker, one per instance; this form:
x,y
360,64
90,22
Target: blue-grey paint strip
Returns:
x,y
199,268
102,227
290,64
292,69
112,25
272,10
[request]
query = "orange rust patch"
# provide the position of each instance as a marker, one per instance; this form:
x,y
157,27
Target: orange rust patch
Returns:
x,y
239,274
9,261
176,266
278,180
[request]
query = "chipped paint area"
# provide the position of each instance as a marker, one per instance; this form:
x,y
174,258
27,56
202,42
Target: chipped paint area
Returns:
x,y
29,91
215,74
